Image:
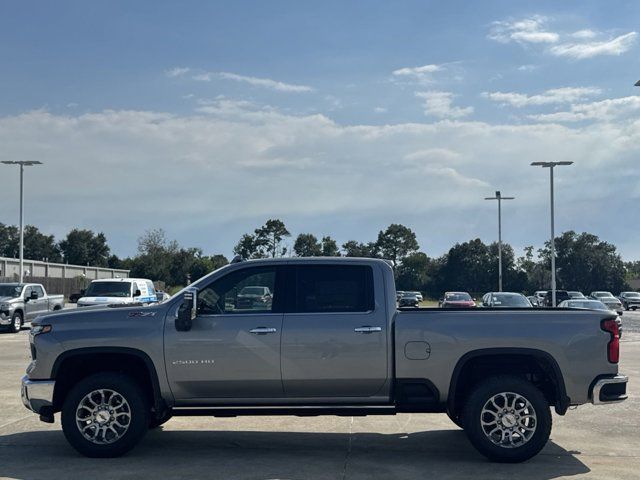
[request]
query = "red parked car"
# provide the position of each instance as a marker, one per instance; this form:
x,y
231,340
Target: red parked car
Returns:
x,y
457,300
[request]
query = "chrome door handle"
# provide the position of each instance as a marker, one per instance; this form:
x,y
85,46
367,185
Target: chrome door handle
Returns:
x,y
263,330
367,329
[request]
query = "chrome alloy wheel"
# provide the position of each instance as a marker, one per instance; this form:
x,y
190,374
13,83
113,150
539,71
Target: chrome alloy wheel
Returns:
x,y
508,419
103,416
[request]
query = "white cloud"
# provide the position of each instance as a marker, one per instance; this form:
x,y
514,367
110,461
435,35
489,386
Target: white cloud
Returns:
x,y
423,74
527,68
177,72
614,46
605,110
257,82
578,45
440,104
552,96
527,30
380,110
584,34
219,174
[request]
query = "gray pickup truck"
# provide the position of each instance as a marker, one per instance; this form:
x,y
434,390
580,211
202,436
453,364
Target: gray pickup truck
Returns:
x,y
330,341
20,303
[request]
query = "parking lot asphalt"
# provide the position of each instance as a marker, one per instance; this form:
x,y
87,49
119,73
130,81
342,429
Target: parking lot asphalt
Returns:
x,y
594,442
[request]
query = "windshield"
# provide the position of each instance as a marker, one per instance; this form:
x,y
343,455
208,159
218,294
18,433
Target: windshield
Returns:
x,y
10,291
576,295
458,297
506,300
592,304
603,294
109,289
632,294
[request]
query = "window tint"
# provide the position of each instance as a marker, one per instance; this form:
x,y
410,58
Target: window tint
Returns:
x,y
334,288
250,290
38,289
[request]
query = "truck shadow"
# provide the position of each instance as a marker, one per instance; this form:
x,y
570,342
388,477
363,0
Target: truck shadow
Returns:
x,y
266,455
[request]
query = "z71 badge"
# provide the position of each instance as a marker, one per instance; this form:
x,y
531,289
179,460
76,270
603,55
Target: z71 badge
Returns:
x,y
142,314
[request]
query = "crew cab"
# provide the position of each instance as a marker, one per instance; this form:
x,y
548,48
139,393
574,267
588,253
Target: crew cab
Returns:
x,y
331,342
20,303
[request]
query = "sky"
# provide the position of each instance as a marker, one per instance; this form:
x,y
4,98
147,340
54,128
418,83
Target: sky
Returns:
x,y
208,118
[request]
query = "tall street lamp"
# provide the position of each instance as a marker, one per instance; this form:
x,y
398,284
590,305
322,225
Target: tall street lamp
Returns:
x,y
551,166
22,164
499,198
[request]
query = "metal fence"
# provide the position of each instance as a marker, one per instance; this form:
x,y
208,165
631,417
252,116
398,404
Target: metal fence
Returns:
x,y
57,278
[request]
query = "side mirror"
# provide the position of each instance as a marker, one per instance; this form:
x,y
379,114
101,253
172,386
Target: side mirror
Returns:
x,y
34,295
137,293
82,292
187,311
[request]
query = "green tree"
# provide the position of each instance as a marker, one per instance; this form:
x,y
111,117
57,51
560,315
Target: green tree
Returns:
x,y
307,245
413,272
330,247
249,247
271,235
396,242
83,247
37,245
9,241
353,248
585,263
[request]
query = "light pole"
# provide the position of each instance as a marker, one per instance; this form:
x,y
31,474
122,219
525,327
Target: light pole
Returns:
x,y
499,198
551,166
22,164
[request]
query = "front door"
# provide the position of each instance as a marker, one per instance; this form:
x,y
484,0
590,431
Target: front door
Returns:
x,y
335,341
31,307
233,349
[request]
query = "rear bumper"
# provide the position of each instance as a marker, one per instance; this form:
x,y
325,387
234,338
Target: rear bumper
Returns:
x,y
610,389
37,395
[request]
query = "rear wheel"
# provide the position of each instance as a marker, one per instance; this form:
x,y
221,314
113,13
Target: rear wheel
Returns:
x,y
105,415
507,419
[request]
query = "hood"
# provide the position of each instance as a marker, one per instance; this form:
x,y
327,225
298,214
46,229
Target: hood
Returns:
x,y
103,315
104,300
9,299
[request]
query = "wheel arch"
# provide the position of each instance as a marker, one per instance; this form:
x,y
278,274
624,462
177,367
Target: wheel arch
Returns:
x,y
522,361
73,365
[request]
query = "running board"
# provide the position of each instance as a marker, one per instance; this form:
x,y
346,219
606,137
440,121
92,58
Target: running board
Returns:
x,y
236,411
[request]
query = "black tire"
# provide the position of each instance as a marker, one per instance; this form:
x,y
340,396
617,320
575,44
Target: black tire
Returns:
x,y
157,422
138,410
16,322
486,391
457,419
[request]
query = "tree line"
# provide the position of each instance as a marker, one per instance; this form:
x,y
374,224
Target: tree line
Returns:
x,y
583,261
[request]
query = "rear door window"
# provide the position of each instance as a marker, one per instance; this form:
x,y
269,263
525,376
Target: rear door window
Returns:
x,y
334,288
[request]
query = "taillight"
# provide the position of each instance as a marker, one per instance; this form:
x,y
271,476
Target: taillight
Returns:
x,y
613,347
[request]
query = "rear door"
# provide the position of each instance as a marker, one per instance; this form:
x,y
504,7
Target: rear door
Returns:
x,y
334,340
42,304
233,349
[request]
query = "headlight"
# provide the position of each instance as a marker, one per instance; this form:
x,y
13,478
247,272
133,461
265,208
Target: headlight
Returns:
x,y
4,306
38,329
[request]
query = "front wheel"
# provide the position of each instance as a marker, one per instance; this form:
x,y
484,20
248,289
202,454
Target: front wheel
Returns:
x,y
105,415
16,322
507,419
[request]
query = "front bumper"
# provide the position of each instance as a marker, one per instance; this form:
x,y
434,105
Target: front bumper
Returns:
x,y
609,390
37,395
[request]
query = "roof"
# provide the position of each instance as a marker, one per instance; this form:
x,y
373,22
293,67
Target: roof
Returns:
x,y
125,279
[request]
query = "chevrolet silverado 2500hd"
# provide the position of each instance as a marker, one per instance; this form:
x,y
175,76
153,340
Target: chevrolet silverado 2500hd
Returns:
x,y
329,341
20,303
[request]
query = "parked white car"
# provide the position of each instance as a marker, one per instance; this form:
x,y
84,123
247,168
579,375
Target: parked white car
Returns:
x,y
118,291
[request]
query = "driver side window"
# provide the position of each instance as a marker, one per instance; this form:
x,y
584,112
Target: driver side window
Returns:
x,y
250,290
